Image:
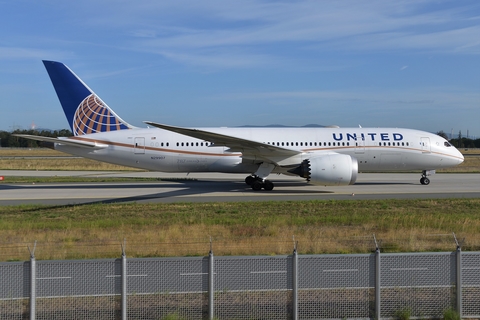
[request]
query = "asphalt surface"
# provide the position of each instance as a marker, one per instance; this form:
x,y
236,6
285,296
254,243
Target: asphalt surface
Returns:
x,y
228,187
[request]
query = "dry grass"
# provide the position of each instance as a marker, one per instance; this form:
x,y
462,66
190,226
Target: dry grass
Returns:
x,y
33,152
67,164
471,151
93,231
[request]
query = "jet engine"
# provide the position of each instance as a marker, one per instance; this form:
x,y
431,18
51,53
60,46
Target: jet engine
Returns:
x,y
328,170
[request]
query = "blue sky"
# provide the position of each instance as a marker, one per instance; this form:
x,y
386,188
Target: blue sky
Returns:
x,y
411,63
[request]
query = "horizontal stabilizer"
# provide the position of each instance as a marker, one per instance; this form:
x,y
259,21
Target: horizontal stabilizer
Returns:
x,y
67,141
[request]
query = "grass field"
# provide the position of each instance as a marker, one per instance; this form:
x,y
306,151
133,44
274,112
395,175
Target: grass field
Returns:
x,y
93,231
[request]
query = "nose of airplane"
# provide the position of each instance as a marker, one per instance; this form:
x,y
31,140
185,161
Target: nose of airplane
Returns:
x,y
460,157
453,157
457,157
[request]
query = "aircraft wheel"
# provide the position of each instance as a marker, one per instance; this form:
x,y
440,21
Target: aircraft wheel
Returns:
x,y
268,185
425,181
249,180
257,185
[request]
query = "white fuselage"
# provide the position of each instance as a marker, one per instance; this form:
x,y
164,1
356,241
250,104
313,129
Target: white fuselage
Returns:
x,y
376,149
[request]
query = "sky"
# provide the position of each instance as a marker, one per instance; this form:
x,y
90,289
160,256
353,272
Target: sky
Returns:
x,y
217,63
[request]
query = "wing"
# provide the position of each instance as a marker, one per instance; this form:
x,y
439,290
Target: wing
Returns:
x,y
68,141
248,148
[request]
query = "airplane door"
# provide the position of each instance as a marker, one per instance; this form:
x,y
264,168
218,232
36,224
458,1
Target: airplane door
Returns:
x,y
360,146
425,142
139,145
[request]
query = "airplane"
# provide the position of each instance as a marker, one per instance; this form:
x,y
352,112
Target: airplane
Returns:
x,y
328,156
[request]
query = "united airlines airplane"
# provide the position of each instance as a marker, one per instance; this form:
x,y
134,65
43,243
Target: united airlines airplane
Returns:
x,y
322,156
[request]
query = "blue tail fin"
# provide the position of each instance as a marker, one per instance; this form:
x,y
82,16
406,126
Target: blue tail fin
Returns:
x,y
85,111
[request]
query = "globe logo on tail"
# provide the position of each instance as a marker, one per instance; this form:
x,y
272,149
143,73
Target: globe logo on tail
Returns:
x,y
93,115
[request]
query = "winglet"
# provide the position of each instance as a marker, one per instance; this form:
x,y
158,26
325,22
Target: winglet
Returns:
x,y
85,111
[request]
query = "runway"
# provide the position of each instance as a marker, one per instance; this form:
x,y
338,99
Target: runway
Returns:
x,y
228,187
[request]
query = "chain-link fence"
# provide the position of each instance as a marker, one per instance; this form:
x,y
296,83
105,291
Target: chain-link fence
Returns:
x,y
350,286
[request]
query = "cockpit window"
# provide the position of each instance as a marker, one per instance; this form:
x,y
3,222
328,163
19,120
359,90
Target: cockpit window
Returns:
x,y
447,144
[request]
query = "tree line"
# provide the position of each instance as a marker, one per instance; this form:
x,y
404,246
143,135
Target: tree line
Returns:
x,y
460,141
7,140
465,143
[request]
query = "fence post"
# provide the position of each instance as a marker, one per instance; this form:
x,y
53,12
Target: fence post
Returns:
x,y
458,257
378,311
33,279
295,282
211,282
124,282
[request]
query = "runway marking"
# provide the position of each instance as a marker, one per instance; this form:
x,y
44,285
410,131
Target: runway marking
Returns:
x,y
54,278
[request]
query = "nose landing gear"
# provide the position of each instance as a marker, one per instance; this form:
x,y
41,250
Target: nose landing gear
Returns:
x,y
424,180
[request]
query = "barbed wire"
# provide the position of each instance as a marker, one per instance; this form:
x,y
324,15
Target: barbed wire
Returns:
x,y
244,245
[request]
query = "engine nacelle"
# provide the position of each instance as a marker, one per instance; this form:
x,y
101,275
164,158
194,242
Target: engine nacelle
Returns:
x,y
329,170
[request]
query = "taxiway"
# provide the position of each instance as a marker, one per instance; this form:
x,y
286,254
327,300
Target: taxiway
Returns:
x,y
227,187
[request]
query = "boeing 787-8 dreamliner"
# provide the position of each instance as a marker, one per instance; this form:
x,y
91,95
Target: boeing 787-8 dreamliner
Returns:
x,y
322,156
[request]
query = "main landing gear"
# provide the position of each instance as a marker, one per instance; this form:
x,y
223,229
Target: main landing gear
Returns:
x,y
258,183
424,180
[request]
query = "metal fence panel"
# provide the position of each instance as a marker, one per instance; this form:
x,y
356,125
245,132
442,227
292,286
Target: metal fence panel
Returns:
x,y
471,284
86,289
14,290
336,286
159,288
253,287
422,284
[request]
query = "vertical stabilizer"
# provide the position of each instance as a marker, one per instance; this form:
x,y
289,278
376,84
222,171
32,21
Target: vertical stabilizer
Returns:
x,y
86,113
